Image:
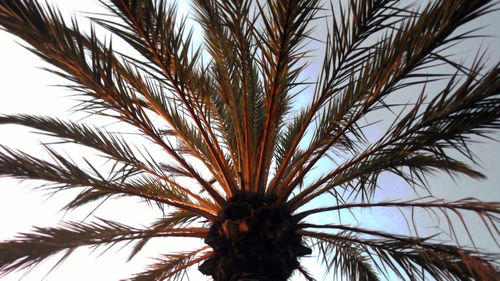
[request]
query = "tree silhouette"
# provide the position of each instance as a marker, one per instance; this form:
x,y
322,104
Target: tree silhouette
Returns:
x,y
230,148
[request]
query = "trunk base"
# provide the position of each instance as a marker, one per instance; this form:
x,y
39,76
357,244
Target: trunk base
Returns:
x,y
253,239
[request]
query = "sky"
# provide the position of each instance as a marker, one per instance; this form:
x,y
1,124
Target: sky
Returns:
x,y
25,88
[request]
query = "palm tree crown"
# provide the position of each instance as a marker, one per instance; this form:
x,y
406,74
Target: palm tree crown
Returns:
x,y
243,130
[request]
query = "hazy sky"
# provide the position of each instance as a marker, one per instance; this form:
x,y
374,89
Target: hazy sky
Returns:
x,y
25,89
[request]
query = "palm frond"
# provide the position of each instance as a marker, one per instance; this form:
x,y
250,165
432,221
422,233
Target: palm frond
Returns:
x,y
420,140
176,218
65,174
398,56
285,28
66,48
29,249
230,40
344,260
345,51
163,44
413,258
172,267
305,274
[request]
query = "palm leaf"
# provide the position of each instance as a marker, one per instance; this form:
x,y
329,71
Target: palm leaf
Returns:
x,y
172,267
29,249
411,258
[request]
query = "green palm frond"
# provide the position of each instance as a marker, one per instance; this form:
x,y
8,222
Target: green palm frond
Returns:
x,y
420,139
65,175
175,219
29,249
172,267
342,258
412,258
170,58
393,68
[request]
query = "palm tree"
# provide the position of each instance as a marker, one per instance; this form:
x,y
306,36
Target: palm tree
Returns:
x,y
240,152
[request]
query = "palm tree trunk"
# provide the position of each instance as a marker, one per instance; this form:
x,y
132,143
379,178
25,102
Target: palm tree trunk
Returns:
x,y
249,277
253,240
